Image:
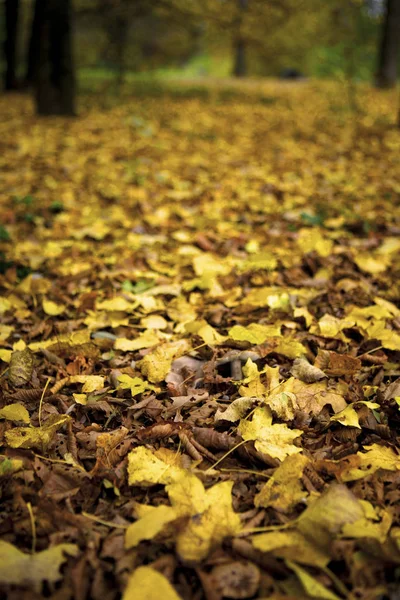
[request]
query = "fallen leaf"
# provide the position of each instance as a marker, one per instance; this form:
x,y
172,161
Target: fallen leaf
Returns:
x,y
284,489
304,371
15,412
274,440
18,568
143,582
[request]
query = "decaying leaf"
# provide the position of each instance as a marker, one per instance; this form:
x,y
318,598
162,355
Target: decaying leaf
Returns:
x,y
236,410
306,372
236,579
336,365
36,437
376,457
21,367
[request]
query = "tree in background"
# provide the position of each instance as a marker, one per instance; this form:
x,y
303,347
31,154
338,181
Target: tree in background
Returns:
x,y
11,9
54,71
390,44
239,43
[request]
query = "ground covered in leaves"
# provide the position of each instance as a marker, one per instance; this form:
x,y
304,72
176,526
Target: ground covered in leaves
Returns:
x,y
200,348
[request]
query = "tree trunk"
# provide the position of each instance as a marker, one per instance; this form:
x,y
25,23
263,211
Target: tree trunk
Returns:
x,y
239,45
11,9
33,48
389,48
55,80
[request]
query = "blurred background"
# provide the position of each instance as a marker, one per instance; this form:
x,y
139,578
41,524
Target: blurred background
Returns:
x,y
118,46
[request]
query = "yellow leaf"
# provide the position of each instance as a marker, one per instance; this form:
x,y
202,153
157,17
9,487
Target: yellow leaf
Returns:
x,y
15,412
146,340
53,309
211,516
287,346
330,326
146,468
369,264
376,457
10,465
284,490
5,305
207,333
310,240
274,440
145,582
80,399
324,518
366,528
206,264
157,364
348,417
117,304
254,387
149,524
75,338
311,586
19,346
263,260
135,384
18,568
5,355
36,437
292,545
254,333
273,297
153,322
91,383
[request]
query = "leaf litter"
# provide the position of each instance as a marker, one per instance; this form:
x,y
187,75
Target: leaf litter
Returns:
x,y
200,351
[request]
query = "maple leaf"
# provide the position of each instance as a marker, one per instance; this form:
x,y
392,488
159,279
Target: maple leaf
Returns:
x,y
274,440
22,569
284,490
209,516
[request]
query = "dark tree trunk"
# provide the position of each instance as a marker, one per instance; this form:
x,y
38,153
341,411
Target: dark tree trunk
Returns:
x,y
33,48
55,79
389,48
11,9
239,44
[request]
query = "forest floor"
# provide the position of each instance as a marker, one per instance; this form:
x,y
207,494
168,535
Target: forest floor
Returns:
x,y
200,347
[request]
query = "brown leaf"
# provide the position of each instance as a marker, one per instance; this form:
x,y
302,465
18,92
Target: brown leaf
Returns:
x,y
335,364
